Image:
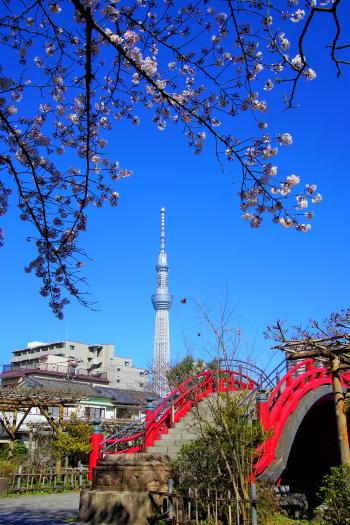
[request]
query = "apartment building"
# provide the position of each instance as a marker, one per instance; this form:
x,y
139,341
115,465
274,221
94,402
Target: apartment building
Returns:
x,y
95,363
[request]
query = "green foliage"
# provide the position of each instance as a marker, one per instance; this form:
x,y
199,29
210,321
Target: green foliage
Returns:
x,y
74,442
266,504
233,436
20,451
335,492
184,369
222,457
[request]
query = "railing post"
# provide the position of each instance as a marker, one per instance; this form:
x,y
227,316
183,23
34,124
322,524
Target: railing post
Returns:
x,y
80,484
95,454
240,376
209,385
172,415
309,366
148,441
263,409
253,513
170,503
19,477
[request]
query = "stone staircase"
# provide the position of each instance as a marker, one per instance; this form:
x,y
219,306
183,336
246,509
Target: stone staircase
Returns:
x,y
186,430
189,427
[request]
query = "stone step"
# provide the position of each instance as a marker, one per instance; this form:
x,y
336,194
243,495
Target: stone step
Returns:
x,y
173,443
185,431
166,438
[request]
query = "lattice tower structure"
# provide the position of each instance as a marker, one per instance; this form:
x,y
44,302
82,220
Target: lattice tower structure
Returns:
x,y
162,302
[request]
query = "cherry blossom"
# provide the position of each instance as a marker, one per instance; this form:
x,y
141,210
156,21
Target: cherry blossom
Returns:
x,y
76,69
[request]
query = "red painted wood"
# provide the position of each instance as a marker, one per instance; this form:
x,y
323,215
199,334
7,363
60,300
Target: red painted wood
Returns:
x,y
95,454
284,400
183,398
273,414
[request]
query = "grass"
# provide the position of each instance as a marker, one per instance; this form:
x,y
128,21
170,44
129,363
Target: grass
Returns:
x,y
279,519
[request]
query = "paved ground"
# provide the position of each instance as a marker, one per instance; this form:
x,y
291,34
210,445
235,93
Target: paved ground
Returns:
x,y
46,509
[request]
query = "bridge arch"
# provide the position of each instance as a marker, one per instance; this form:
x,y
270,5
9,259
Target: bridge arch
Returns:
x,y
303,392
283,412
290,431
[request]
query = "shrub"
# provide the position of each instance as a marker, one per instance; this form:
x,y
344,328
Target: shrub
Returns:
x,y
335,491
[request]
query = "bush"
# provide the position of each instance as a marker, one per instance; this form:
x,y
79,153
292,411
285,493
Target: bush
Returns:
x,y
20,451
74,442
335,493
267,506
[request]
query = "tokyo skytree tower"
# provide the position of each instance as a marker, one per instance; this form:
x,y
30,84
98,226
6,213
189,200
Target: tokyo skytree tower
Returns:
x,y
162,302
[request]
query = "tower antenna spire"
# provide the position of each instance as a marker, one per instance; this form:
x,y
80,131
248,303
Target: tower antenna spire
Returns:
x,y
162,302
162,230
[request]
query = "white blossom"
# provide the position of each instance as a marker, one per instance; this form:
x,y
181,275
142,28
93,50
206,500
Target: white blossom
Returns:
x,y
317,199
297,16
309,74
302,202
311,188
297,62
285,139
11,109
293,180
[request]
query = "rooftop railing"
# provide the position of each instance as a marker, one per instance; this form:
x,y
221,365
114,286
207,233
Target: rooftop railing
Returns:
x,y
54,368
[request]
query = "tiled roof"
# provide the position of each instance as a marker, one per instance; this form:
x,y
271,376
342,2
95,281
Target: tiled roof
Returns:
x,y
117,395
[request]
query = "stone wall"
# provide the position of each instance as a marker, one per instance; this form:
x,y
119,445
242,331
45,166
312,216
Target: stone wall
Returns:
x,y
120,489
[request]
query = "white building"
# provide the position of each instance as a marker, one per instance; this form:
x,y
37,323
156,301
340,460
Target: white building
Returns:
x,y
96,363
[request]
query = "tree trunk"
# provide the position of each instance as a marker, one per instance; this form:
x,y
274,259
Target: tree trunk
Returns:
x,y
10,449
59,431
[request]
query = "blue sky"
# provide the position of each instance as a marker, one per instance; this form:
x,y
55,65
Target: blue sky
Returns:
x,y
270,273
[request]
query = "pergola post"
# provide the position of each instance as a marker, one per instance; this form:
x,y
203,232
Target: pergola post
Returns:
x,y
342,428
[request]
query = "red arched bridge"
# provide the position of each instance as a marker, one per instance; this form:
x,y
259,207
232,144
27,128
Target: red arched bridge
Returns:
x,y
297,410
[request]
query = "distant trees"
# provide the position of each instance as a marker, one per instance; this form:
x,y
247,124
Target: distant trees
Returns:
x,y
184,369
75,69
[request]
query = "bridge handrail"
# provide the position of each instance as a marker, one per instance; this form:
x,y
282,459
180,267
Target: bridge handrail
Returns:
x,y
275,373
284,399
192,391
288,377
123,432
262,379
177,404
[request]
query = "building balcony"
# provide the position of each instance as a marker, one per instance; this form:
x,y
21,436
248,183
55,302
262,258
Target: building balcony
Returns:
x,y
47,369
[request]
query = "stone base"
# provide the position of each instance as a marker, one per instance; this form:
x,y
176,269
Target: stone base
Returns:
x,y
121,486
110,507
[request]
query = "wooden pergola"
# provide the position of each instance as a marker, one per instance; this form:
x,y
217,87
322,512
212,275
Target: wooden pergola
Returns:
x,y
17,402
333,351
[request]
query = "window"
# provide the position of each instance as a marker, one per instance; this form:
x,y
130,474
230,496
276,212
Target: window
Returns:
x,y
71,347
54,411
95,412
126,363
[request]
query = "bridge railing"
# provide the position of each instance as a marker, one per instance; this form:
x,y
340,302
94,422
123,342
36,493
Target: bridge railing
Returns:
x,y
145,431
305,376
188,394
